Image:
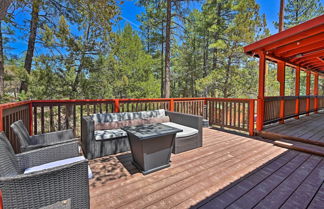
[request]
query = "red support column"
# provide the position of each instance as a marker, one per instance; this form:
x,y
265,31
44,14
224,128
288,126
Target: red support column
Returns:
x,y
297,91
281,78
316,92
308,75
261,93
116,105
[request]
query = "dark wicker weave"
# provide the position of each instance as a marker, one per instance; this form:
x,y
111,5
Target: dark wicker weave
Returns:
x,y
38,141
46,187
99,148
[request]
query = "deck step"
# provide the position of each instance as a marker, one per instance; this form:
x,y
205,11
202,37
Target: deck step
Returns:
x,y
300,146
276,136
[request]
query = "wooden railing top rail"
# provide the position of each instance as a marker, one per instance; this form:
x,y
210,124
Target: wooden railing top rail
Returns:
x,y
14,104
112,100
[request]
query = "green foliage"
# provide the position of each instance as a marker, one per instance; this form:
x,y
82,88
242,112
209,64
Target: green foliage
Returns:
x,y
297,12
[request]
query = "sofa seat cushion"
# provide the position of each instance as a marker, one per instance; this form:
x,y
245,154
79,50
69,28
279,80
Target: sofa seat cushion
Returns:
x,y
109,134
56,164
186,131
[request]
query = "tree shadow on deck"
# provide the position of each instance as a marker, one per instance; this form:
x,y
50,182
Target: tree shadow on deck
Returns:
x,y
110,168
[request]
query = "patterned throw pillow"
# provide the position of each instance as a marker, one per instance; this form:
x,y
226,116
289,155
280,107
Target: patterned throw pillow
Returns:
x,y
118,124
163,119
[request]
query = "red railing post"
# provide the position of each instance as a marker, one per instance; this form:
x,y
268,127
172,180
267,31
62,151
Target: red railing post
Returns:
x,y
251,117
171,108
281,79
116,105
316,93
30,111
297,92
1,119
308,75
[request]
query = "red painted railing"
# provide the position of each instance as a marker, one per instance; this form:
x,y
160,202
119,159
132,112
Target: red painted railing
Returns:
x,y
292,106
42,116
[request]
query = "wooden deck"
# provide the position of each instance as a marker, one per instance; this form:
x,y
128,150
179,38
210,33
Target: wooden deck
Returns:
x,y
307,127
230,170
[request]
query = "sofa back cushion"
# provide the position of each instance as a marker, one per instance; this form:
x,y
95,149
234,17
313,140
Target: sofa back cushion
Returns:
x,y
163,119
135,122
8,161
118,124
112,117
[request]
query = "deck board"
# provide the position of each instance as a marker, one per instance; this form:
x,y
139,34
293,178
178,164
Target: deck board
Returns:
x,y
226,169
307,127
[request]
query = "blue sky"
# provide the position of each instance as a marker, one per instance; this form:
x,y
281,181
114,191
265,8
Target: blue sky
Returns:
x,y
268,7
129,12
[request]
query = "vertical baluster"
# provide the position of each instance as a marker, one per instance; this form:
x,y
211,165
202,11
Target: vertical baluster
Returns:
x,y
35,120
74,119
107,107
59,116
94,109
100,107
42,119
240,115
51,119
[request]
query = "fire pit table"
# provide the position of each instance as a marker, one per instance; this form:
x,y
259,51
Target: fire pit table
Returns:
x,y
151,146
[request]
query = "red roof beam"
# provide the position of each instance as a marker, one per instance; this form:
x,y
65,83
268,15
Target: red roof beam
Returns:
x,y
308,55
309,48
299,32
299,44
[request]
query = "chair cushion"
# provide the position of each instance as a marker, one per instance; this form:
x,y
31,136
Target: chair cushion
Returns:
x,y
109,134
58,163
186,131
8,161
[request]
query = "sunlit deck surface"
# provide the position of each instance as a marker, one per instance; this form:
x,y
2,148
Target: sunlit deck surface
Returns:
x,y
230,170
307,127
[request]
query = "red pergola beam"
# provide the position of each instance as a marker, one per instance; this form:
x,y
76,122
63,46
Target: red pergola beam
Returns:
x,y
309,55
299,44
302,31
306,49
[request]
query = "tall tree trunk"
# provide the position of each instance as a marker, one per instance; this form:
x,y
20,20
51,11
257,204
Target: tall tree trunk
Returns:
x,y
216,35
281,15
167,52
162,61
227,77
31,42
1,64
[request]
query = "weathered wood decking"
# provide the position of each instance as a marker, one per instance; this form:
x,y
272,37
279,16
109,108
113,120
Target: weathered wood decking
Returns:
x,y
307,127
228,171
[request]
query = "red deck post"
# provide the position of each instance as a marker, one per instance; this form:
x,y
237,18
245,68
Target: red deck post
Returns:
x,y
281,78
308,75
251,117
171,108
1,119
260,116
297,91
316,92
30,111
116,105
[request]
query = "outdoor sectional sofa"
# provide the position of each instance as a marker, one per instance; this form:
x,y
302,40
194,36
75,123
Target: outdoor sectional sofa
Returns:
x,y
101,134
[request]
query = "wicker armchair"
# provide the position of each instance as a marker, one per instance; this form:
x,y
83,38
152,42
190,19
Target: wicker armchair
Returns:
x,y
38,141
46,187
